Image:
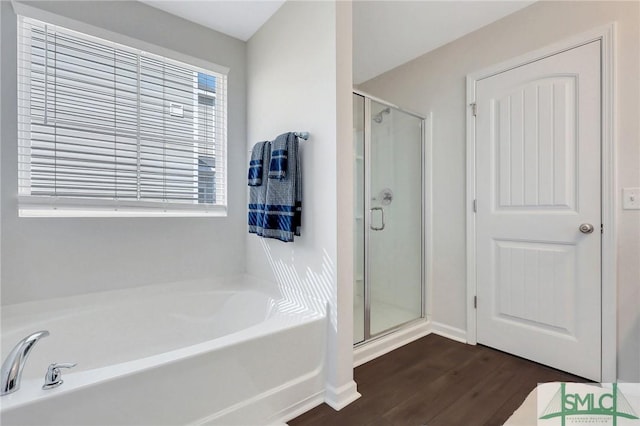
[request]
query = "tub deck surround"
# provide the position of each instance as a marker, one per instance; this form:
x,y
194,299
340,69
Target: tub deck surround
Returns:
x,y
226,351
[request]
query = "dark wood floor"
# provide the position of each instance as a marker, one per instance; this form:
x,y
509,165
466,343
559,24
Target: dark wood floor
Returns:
x,y
436,381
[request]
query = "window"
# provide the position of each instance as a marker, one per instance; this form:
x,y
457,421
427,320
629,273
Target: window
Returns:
x,y
107,129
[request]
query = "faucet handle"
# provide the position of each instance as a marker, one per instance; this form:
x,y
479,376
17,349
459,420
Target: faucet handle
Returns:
x,y
53,378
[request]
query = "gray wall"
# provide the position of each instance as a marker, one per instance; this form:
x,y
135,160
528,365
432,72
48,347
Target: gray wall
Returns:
x,y
48,257
435,82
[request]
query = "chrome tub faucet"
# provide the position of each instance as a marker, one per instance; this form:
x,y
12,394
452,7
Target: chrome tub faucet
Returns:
x,y
14,363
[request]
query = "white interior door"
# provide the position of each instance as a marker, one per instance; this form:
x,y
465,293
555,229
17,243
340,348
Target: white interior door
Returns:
x,y
537,181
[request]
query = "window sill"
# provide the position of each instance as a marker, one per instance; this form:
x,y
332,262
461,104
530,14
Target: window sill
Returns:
x,y
115,213
29,206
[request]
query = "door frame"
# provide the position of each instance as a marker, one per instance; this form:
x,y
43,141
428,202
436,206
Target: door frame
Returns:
x,y
606,35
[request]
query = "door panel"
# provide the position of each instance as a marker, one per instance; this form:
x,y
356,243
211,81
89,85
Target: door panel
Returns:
x,y
538,180
535,283
537,144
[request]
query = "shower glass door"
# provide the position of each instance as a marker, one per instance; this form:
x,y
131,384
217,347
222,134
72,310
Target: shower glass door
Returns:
x,y
388,218
393,191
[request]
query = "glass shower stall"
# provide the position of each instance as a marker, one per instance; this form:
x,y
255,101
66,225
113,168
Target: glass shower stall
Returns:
x,y
389,218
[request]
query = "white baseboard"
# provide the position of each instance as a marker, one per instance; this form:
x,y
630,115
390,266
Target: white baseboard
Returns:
x,y
385,344
390,342
453,333
338,398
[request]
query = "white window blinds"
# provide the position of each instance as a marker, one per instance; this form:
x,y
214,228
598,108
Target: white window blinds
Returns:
x,y
106,127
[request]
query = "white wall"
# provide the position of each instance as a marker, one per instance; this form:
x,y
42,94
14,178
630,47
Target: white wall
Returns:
x,y
435,82
295,82
44,258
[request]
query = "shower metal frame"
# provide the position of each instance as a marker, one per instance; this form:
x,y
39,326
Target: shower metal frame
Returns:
x,y
368,337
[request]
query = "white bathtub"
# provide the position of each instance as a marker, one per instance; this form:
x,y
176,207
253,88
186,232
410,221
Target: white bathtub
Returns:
x,y
233,351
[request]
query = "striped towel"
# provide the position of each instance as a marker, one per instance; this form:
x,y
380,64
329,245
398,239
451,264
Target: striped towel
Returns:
x,y
279,157
255,164
258,194
283,210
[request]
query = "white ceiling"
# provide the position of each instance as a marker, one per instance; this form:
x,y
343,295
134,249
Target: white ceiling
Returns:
x,y
237,18
386,34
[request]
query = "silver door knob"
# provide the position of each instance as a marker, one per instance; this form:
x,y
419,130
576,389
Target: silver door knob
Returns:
x,y
586,228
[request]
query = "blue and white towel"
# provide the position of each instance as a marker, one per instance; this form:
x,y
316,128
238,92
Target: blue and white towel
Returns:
x,y
279,157
258,194
256,164
275,207
283,209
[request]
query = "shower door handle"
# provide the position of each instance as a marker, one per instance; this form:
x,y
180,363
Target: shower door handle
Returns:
x,y
376,228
